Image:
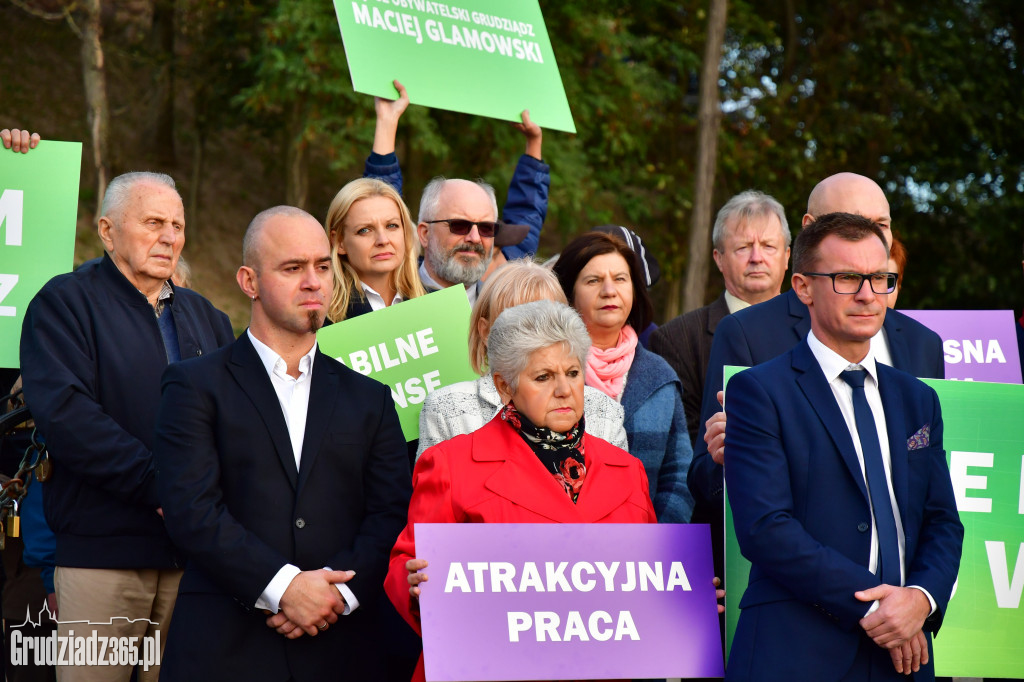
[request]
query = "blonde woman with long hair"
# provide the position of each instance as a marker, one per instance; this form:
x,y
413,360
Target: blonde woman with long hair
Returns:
x,y
374,249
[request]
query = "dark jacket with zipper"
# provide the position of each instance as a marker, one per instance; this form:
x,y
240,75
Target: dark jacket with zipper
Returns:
x,y
92,357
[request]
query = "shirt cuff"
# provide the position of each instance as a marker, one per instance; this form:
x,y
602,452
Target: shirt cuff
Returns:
x,y
271,597
931,602
351,603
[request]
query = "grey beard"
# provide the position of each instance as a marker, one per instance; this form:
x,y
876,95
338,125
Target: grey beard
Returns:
x,y
448,268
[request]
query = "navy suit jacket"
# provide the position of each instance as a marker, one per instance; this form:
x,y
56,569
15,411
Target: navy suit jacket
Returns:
x,y
765,331
235,503
803,517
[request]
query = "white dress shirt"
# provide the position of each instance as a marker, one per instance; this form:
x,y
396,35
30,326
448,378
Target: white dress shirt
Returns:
x,y
375,300
880,348
293,395
833,365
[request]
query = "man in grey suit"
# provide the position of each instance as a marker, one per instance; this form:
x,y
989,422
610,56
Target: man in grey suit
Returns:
x,y
751,239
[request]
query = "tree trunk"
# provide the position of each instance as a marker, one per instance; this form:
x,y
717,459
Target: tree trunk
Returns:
x,y
94,75
297,165
195,184
792,43
674,294
161,132
709,119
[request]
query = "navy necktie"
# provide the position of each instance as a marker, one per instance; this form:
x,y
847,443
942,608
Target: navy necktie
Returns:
x,y
878,487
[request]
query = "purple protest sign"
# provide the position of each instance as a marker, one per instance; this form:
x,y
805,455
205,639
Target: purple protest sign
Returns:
x,y
568,601
977,345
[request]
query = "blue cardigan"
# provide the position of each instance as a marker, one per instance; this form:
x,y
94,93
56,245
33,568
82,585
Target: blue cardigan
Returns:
x,y
656,429
92,356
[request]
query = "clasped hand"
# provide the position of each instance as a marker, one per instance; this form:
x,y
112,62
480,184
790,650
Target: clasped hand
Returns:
x,y
310,601
896,624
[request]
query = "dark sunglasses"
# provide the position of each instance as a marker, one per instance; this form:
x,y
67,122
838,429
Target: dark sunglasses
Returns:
x,y
462,227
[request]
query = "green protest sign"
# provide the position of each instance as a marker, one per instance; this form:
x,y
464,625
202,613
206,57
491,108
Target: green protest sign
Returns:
x,y
414,348
984,439
983,626
737,568
38,214
484,57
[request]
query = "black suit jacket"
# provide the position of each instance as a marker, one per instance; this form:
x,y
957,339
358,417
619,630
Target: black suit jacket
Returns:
x,y
235,503
761,333
685,342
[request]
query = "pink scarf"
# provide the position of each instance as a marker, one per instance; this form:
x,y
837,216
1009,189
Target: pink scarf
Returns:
x,y
606,369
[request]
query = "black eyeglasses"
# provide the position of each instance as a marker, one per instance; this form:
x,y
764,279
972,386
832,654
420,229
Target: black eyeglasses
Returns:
x,y
462,227
851,282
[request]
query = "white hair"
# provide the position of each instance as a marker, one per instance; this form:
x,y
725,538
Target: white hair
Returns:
x,y
746,205
120,188
524,329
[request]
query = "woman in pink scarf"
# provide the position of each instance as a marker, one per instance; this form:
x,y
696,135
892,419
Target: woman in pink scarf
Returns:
x,y
602,279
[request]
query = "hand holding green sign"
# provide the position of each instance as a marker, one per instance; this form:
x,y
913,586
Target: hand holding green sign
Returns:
x,y
489,58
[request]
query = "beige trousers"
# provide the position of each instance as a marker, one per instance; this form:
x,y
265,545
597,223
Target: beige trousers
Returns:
x,y
123,602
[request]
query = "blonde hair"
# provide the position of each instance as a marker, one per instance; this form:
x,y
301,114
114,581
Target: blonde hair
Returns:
x,y
347,283
517,282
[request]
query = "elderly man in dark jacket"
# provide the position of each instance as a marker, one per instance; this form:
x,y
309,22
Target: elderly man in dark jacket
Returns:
x,y
95,343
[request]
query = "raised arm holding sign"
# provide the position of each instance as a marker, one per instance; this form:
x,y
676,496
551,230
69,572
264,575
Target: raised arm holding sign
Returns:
x,y
500,46
526,203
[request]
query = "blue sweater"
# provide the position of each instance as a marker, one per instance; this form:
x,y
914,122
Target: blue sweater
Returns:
x,y
92,356
656,430
526,203
37,536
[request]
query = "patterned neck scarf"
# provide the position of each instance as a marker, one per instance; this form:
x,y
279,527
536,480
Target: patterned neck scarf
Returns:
x,y
560,453
606,368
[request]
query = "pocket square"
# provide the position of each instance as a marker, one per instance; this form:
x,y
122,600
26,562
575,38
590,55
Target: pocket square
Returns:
x,y
921,439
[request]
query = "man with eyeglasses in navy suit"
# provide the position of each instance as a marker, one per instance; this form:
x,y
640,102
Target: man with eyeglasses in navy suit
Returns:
x,y
838,485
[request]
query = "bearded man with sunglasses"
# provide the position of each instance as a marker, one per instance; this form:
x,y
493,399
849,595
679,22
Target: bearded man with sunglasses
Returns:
x,y
458,229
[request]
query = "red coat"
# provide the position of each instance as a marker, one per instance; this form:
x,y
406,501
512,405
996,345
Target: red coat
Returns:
x,y
492,476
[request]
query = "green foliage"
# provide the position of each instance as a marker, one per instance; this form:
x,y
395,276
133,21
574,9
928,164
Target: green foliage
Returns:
x,y
921,96
635,126
924,97
217,40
